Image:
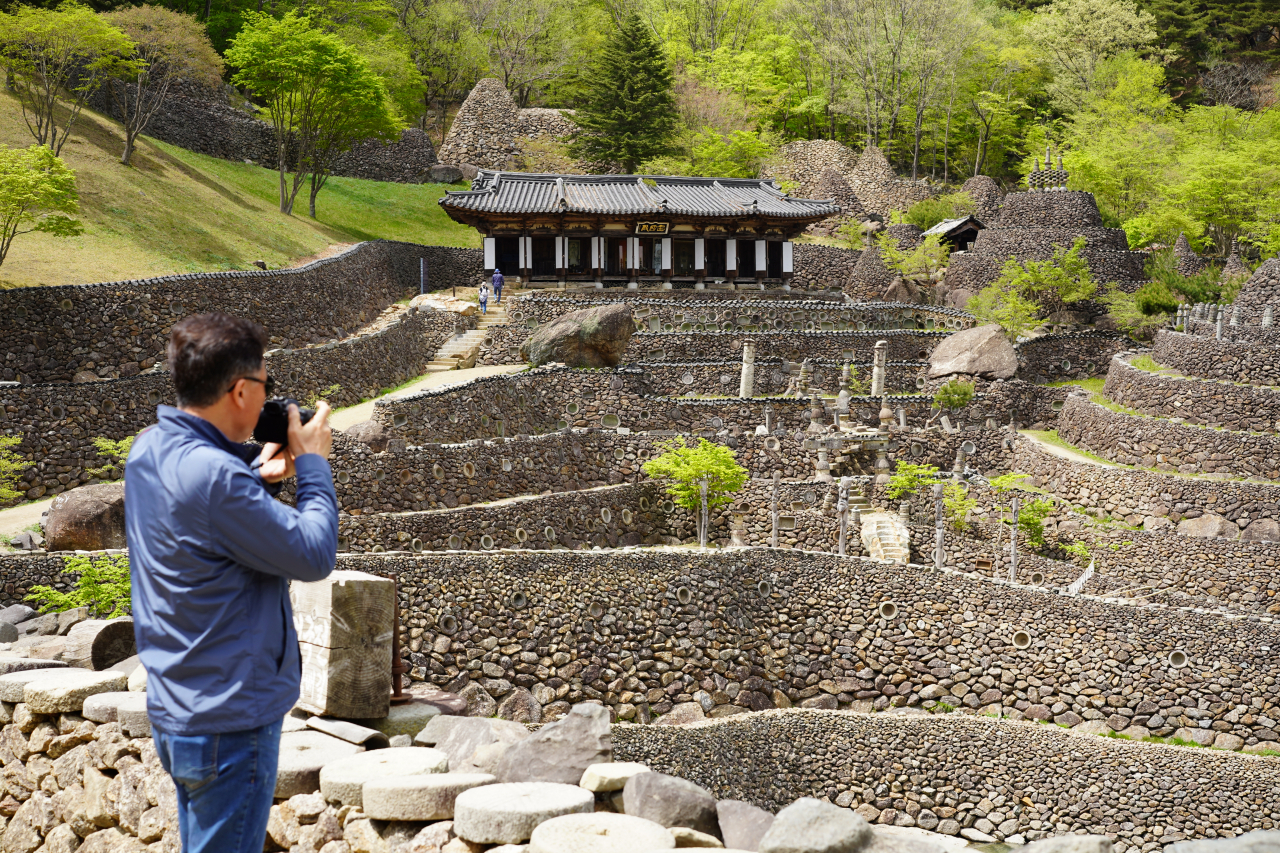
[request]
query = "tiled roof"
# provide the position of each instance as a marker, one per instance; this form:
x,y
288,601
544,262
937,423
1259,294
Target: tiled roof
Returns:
x,y
520,192
947,225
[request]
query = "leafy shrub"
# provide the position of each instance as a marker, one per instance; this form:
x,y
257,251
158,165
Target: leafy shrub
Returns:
x,y
116,452
928,213
103,587
908,478
11,467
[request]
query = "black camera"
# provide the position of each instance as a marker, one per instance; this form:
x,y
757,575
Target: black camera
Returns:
x,y
273,422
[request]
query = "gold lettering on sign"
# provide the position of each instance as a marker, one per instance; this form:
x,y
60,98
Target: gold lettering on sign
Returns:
x,y
652,227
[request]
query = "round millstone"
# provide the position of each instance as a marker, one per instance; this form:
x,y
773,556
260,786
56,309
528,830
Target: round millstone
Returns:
x,y
599,833
131,713
302,755
343,780
63,691
8,665
13,684
508,813
426,797
407,719
101,707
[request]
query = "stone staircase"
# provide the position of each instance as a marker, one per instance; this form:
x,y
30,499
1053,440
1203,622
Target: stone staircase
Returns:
x,y
885,537
461,351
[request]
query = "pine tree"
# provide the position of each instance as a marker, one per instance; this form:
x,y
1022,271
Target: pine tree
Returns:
x,y
629,112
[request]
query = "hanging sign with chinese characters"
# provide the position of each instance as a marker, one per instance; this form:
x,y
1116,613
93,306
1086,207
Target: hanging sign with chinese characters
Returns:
x,y
652,227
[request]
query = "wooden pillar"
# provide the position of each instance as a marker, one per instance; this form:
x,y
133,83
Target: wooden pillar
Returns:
x,y
667,262
490,257
788,264
562,251
597,257
700,259
633,252
762,260
526,262
730,259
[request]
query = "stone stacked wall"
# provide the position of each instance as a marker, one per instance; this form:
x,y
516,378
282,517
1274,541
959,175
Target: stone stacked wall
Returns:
x,y
947,772
816,265
1074,355
58,421
801,163
204,121
1262,289
1264,335
1210,403
488,128
1167,446
118,329
904,345
721,378
1208,358
644,631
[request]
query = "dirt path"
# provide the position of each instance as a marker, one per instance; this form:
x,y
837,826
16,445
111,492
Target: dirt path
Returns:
x,y
1063,453
16,519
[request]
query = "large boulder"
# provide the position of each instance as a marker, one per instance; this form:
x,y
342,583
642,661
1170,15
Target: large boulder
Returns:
x,y
1262,530
562,751
901,290
90,518
1209,526
592,337
370,433
982,351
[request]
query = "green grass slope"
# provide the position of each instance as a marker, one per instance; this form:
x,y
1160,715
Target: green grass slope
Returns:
x,y
175,211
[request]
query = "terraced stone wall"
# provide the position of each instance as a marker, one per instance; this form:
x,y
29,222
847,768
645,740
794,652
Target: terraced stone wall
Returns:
x,y
816,265
644,631
1167,446
1076,355
948,772
1265,335
904,345
58,421
1233,361
118,329
1202,402
772,376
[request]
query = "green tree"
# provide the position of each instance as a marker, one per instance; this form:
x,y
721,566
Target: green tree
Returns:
x,y
1079,35
59,55
909,478
957,503
951,397
928,213
319,93
36,191
116,453
686,468
104,587
1003,303
11,467
921,263
628,115
168,47
1027,290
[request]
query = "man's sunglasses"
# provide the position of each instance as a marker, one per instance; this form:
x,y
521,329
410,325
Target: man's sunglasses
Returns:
x,y
268,384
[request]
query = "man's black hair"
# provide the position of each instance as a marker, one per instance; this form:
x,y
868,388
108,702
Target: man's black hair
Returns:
x,y
209,352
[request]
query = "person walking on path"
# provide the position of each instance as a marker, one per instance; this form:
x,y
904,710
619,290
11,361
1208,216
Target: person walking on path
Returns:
x,y
211,554
484,297
498,281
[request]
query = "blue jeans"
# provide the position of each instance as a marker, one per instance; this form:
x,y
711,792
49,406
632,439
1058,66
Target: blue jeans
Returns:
x,y
484,306
225,786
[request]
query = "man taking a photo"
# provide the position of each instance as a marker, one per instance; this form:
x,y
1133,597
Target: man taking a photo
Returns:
x,y
212,553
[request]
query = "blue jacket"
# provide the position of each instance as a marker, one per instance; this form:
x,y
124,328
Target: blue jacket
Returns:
x,y
211,553
498,281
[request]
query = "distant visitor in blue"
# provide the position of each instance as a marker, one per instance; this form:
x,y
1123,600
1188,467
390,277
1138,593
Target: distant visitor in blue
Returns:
x,y
498,281
212,552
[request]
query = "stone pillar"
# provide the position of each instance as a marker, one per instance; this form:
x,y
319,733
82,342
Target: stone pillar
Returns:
x,y
939,554
842,510
768,419
822,468
1267,318
886,415
1218,329
881,353
1235,315
747,383
730,259
1013,541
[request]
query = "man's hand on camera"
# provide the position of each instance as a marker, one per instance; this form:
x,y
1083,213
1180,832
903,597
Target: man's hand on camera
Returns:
x,y
313,437
277,463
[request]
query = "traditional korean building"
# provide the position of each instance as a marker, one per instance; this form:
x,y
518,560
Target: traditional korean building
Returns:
x,y
628,229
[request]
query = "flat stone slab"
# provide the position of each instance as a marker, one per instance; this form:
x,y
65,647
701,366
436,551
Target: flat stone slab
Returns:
x,y
599,833
508,813
131,713
343,780
426,797
8,665
293,724
13,685
101,707
612,776
64,691
407,719
350,732
302,754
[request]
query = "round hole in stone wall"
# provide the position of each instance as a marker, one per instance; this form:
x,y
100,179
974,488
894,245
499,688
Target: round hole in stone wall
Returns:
x,y
453,417
1057,405
486,542
437,471
772,443
684,595
549,533
405,476
521,535
399,420
969,448
153,397
562,424
294,376
917,449
519,600
1066,364
344,543
1037,578
379,474
626,516
468,470
66,305
484,420
344,477
595,609
130,310
920,383
57,413
668,506
506,464
448,625
605,515
610,422
572,408
619,454
528,463
416,545
455,542
1021,640
888,610
1178,659
763,588
644,503
108,406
